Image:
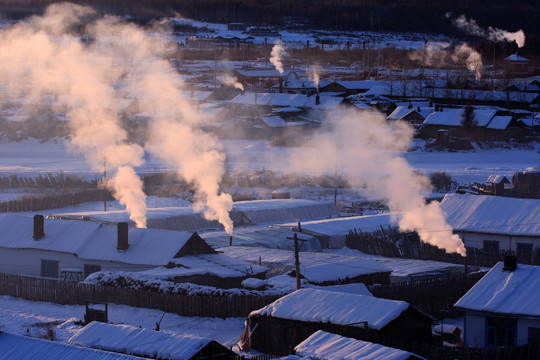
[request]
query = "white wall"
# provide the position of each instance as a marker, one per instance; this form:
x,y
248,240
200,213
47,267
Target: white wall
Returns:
x,y
506,242
28,262
475,331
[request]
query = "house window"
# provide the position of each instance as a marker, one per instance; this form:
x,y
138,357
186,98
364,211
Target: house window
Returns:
x,y
49,268
491,246
501,332
524,253
534,336
90,269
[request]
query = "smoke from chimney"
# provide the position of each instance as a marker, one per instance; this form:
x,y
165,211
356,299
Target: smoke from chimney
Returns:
x,y
278,51
230,80
471,27
368,153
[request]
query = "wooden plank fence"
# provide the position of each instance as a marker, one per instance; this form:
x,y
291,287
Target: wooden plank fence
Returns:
x,y
71,293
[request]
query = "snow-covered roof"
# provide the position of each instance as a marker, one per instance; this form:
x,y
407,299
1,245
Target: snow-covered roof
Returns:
x,y
499,122
496,179
218,265
325,102
505,292
359,84
279,210
90,240
274,121
261,73
326,346
400,112
341,269
516,57
27,348
139,341
454,117
336,308
342,226
492,214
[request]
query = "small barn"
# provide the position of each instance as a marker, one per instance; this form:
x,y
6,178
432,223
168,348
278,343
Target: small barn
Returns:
x,y
278,327
502,309
326,346
149,343
26,348
516,66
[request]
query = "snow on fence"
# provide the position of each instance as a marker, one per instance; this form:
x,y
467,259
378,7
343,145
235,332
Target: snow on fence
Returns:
x,y
70,293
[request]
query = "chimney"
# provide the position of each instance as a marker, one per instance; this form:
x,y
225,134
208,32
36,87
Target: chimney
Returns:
x,y
123,243
510,263
317,99
39,227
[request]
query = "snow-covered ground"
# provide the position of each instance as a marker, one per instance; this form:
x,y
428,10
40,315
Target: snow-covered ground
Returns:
x,y
32,318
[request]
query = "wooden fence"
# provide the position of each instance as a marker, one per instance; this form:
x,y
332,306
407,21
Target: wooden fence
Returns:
x,y
435,297
54,201
70,293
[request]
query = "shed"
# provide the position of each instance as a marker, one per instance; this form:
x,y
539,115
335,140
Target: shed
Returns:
x,y
283,324
149,343
326,346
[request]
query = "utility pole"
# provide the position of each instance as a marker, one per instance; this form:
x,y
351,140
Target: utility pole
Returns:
x,y
297,261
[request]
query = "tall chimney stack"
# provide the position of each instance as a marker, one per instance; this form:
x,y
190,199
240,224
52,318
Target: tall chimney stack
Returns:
x,y
123,243
39,227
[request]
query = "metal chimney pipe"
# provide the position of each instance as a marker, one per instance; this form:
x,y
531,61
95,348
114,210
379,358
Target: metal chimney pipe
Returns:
x,y
39,227
123,243
317,99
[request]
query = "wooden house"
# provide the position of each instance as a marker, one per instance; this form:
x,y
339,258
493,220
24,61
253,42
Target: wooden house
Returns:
x,y
280,326
502,309
149,343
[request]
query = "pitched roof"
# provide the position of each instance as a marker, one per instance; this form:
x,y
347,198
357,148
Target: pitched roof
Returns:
x,y
274,121
499,122
492,214
89,240
505,292
336,308
138,341
341,269
326,346
453,117
27,348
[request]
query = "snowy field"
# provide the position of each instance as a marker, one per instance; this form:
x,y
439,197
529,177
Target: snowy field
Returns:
x,y
30,157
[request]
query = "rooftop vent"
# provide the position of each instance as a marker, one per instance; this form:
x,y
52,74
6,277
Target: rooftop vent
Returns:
x,y
123,243
39,227
510,263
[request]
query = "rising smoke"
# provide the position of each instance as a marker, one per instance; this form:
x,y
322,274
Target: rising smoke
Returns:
x,y
230,80
471,27
367,152
277,54
45,56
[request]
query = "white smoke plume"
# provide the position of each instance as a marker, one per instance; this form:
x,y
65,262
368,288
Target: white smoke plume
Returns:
x,y
46,56
54,61
471,27
472,59
230,80
435,55
277,54
314,75
367,152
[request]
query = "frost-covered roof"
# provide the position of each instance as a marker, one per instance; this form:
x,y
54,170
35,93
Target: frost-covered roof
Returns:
x,y
326,346
218,265
325,102
400,112
90,240
27,348
453,117
261,73
336,308
139,341
499,122
492,214
342,226
496,179
505,292
274,121
516,57
341,269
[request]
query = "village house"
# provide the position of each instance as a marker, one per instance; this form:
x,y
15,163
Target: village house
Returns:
x,y
502,309
323,345
496,223
72,250
27,348
149,343
278,327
